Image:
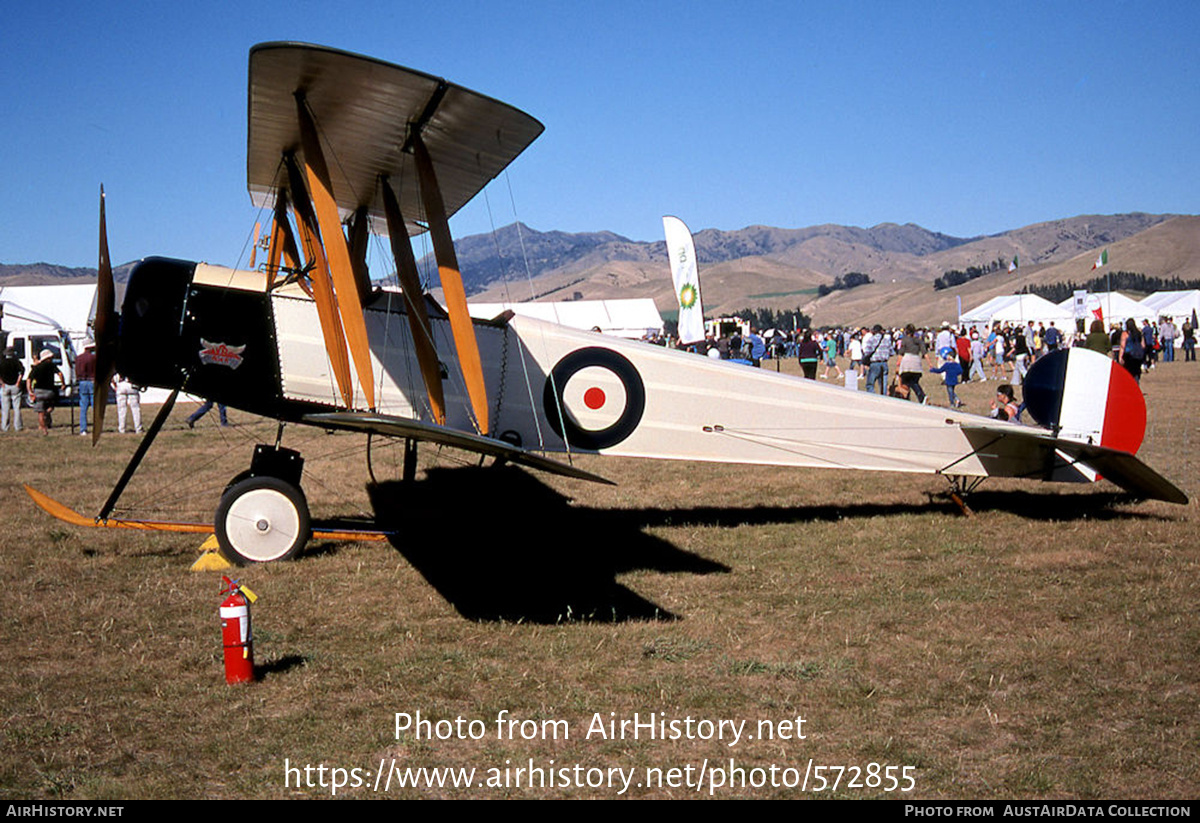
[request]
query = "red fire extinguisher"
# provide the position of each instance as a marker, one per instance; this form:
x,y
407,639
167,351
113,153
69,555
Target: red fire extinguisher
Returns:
x,y
235,632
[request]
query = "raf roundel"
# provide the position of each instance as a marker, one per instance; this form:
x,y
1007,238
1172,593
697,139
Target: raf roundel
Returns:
x,y
594,398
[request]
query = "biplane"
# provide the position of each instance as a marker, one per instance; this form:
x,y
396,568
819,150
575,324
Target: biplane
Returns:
x,y
341,146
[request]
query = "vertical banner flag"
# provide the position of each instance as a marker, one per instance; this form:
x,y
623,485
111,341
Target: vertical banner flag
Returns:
x,y
1102,260
1080,302
682,254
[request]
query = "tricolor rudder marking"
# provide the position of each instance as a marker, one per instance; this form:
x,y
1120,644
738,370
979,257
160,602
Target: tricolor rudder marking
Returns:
x,y
1089,397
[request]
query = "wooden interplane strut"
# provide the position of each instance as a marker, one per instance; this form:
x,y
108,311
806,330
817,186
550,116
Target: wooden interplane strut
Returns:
x,y
414,301
322,286
283,242
345,286
357,236
452,286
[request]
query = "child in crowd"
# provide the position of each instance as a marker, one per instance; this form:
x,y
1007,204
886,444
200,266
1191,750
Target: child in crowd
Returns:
x,y
952,373
1004,406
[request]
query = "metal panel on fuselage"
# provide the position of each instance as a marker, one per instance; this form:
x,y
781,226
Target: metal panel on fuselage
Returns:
x,y
306,375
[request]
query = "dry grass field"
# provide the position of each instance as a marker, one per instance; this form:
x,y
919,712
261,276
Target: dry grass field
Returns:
x,y
1045,648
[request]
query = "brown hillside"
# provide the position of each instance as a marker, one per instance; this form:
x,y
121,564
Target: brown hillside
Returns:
x,y
727,286
1168,249
902,260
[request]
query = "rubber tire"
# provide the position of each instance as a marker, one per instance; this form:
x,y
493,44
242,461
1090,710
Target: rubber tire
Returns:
x,y
261,520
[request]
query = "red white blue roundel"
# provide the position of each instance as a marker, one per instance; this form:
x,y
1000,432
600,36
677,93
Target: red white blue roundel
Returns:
x,y
1087,396
594,398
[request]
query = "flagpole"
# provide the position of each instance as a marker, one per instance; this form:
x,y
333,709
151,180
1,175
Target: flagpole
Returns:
x,y
1108,282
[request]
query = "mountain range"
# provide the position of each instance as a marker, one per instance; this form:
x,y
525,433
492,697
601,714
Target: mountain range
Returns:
x,y
783,268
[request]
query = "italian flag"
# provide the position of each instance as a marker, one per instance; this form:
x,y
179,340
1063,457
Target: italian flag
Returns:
x,y
1102,260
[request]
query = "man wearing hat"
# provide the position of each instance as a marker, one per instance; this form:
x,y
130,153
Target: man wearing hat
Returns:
x,y
945,340
85,373
43,389
11,372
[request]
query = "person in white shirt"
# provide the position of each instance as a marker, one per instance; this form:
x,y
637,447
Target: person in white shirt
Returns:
x,y
129,400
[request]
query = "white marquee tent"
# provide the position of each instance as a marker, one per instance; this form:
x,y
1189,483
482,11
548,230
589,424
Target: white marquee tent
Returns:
x,y
40,308
622,318
1019,308
1176,304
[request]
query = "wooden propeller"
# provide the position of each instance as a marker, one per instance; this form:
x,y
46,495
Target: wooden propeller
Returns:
x,y
104,329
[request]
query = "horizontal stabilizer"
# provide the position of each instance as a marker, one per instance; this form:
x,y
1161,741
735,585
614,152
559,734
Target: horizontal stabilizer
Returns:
x,y
1125,470
404,427
1012,451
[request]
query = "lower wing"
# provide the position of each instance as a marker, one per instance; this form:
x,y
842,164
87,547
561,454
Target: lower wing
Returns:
x,y
404,427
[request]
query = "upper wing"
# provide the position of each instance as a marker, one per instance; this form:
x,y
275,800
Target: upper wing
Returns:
x,y
366,111
405,427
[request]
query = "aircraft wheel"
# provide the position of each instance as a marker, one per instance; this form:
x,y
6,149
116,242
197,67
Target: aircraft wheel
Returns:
x,y
237,478
261,519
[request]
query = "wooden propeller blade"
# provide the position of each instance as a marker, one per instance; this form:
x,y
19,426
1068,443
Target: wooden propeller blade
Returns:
x,y
104,329
345,286
322,287
452,286
414,300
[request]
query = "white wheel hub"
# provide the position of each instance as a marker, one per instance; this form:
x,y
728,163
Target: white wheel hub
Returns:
x,y
262,525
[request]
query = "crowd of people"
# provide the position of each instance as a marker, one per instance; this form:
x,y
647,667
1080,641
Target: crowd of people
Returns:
x,y
893,361
44,387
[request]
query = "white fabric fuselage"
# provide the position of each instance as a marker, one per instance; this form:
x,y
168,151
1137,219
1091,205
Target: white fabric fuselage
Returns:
x,y
694,408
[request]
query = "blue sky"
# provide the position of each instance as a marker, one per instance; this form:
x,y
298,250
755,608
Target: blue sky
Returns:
x,y
966,118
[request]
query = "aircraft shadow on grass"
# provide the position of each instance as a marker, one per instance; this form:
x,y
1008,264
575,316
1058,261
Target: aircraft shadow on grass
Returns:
x,y
499,544
1088,505
509,547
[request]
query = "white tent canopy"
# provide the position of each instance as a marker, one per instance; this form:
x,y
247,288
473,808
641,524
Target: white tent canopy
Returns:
x,y
1019,308
37,308
1176,304
622,318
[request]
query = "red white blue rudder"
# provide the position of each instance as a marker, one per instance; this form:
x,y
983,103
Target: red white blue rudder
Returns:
x,y
1087,396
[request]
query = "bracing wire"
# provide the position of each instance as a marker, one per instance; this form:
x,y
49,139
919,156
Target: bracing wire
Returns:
x,y
524,365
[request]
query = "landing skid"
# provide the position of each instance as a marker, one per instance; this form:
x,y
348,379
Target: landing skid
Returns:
x,y
960,487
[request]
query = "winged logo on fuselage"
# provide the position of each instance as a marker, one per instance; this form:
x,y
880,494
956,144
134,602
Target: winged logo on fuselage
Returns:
x,y
220,354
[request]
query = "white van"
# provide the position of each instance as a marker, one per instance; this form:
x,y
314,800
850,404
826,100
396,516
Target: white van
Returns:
x,y
27,345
